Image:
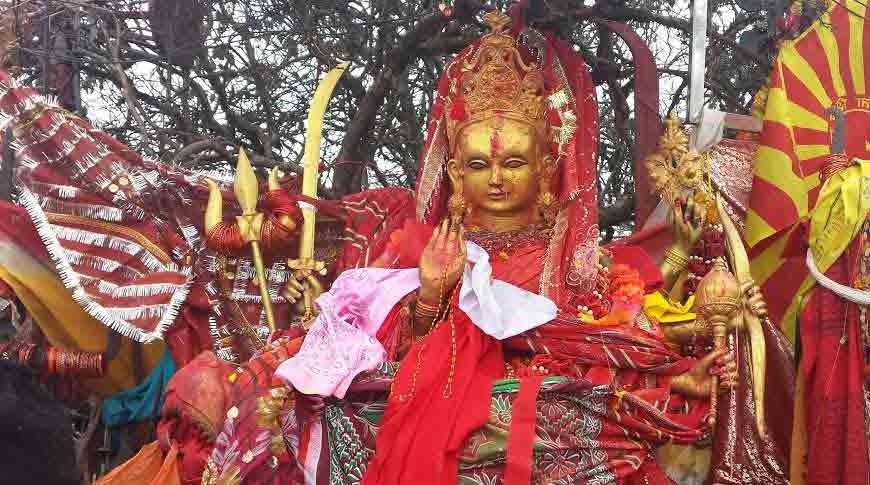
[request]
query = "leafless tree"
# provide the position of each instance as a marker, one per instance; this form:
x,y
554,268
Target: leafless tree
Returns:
x,y
190,81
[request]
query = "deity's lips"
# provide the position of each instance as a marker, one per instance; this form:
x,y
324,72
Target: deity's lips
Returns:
x,y
497,195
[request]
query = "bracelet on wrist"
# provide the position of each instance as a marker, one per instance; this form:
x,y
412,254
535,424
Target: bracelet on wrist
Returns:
x,y
424,310
676,259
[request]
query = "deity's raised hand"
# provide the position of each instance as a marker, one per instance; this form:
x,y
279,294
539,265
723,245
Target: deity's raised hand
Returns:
x,y
688,223
442,262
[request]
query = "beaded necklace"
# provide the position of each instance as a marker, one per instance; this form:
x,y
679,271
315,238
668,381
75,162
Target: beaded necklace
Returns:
x,y
508,241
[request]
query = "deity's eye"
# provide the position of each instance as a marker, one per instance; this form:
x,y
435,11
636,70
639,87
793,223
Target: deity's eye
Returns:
x,y
515,162
476,164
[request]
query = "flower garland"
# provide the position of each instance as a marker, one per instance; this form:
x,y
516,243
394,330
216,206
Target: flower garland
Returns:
x,y
616,299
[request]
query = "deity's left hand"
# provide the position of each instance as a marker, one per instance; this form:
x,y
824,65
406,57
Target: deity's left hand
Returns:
x,y
688,224
697,383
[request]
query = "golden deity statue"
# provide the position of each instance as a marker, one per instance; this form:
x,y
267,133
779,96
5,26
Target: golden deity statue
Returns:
x,y
512,288
491,338
475,331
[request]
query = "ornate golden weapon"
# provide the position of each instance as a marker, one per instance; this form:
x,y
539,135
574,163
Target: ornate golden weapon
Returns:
x,y
717,300
757,344
310,171
250,222
676,170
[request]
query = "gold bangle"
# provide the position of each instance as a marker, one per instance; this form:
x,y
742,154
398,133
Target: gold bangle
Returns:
x,y
676,259
424,310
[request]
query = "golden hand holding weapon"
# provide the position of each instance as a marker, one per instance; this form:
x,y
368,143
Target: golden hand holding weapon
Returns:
x,y
724,301
250,222
303,286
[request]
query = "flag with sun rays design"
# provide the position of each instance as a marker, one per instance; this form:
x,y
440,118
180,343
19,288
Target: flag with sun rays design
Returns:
x,y
817,106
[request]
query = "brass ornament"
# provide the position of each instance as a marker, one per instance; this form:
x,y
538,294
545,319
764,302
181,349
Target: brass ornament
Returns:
x,y
457,207
717,297
674,170
250,223
717,300
498,67
548,204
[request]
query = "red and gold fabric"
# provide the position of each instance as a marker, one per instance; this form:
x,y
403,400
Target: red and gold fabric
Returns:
x,y
87,195
819,80
809,194
26,267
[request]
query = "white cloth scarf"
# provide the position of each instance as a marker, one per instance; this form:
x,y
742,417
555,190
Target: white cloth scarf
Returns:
x,y
854,295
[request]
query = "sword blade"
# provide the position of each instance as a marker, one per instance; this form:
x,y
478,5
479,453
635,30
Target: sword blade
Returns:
x,y
311,156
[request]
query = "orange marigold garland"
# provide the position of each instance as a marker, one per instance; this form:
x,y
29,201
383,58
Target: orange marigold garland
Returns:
x,y
616,299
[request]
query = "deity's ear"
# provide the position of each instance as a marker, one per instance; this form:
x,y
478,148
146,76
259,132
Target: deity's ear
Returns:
x,y
454,171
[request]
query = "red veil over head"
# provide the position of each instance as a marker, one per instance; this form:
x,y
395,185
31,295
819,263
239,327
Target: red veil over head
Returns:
x,y
572,112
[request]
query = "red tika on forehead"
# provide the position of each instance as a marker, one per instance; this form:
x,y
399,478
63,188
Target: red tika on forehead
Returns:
x,y
495,143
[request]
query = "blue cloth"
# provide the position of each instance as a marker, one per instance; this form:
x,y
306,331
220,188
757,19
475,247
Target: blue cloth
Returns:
x,y
142,402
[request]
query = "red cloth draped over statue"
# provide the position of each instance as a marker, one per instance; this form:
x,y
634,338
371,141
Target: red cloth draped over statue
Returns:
x,y
441,393
442,390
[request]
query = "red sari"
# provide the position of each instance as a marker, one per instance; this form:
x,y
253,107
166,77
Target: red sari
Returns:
x,y
441,393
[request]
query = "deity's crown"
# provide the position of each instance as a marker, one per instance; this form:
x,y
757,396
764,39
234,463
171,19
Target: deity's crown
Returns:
x,y
495,80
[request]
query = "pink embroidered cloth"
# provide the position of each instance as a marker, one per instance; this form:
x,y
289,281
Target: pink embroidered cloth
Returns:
x,y
342,342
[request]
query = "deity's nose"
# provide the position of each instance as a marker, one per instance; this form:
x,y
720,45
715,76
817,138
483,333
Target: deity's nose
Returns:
x,y
495,176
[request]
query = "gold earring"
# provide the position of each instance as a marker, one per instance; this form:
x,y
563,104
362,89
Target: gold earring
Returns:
x,y
457,207
548,206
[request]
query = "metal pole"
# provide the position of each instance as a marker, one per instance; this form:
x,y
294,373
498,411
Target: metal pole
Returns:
x,y
46,46
76,65
697,60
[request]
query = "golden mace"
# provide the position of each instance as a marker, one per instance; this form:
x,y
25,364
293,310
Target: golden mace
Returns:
x,y
717,299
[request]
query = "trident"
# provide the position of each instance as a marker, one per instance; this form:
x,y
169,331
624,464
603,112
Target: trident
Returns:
x,y
250,222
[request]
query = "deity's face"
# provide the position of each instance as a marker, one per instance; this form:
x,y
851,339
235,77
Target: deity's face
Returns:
x,y
497,164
